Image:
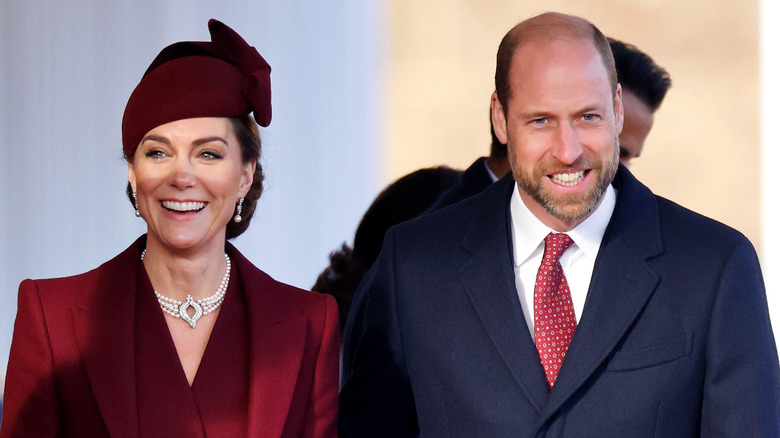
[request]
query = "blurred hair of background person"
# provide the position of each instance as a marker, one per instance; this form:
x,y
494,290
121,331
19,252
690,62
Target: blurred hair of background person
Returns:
x,y
645,84
404,199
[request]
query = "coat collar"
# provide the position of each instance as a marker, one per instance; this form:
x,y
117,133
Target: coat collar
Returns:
x,y
105,331
277,338
622,283
277,342
488,277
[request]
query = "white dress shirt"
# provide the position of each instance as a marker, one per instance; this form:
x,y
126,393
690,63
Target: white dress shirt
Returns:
x,y
528,235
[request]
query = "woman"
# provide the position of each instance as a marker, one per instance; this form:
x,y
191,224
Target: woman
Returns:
x,y
180,335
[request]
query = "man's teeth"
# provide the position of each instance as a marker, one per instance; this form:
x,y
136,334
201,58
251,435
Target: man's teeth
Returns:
x,y
568,179
183,206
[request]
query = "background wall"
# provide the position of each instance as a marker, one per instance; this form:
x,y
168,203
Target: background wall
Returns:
x,y
364,92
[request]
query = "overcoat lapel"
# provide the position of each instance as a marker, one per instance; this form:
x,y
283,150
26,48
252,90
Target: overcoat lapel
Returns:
x,y
277,341
104,331
488,276
621,285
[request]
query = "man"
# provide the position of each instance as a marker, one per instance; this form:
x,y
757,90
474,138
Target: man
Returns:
x,y
467,326
644,85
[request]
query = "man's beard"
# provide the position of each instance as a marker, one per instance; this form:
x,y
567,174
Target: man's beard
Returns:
x,y
568,208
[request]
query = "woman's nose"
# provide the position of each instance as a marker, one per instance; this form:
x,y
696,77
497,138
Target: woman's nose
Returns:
x,y
182,173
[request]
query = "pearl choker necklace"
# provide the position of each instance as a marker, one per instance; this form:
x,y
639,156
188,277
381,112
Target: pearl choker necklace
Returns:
x,y
178,309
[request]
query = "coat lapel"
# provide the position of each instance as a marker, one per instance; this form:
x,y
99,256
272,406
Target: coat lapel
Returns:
x,y
621,285
276,344
104,331
488,277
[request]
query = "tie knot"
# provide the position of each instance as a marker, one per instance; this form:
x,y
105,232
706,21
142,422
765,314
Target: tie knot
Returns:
x,y
555,244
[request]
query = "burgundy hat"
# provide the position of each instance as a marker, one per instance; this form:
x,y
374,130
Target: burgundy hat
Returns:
x,y
223,78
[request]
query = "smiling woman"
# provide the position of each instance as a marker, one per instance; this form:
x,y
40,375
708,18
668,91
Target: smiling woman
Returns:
x,y
180,334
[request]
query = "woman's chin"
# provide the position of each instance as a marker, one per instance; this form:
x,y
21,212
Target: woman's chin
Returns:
x,y
186,240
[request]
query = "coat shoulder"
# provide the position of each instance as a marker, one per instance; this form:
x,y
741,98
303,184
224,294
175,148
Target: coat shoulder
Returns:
x,y
284,297
684,225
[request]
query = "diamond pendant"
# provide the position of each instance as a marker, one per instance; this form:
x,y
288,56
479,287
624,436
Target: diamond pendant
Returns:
x,y
192,320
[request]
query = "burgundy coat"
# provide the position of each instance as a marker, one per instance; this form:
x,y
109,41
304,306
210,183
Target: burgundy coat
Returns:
x,y
72,364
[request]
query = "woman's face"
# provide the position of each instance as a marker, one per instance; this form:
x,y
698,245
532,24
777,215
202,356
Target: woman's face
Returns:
x,y
188,176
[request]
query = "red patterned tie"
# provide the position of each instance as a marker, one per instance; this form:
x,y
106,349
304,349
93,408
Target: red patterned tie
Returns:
x,y
554,321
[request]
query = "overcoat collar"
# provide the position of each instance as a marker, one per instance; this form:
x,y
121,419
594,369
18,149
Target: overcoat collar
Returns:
x,y
277,341
106,343
621,284
488,277
104,324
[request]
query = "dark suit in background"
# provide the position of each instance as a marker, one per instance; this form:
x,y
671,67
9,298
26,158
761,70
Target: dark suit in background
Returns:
x,y
474,180
674,340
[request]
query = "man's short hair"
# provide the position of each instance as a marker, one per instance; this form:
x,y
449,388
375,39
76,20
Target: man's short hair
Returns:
x,y
547,27
639,74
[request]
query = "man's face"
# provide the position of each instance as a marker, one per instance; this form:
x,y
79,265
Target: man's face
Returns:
x,y
561,126
637,124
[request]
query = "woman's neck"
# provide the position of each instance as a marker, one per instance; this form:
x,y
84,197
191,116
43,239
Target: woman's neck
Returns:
x,y
178,273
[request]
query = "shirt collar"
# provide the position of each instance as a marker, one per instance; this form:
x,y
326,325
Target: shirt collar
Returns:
x,y
528,232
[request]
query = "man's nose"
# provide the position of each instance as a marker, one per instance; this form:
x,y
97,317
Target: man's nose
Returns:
x,y
567,148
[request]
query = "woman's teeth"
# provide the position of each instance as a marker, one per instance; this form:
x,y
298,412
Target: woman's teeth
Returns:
x,y
183,206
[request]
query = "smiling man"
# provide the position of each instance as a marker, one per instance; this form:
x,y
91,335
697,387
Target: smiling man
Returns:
x,y
566,300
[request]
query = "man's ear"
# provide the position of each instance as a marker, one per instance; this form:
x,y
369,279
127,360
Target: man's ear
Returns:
x,y
498,118
619,116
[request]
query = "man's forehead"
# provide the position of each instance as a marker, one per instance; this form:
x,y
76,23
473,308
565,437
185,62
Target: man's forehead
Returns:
x,y
546,53
542,56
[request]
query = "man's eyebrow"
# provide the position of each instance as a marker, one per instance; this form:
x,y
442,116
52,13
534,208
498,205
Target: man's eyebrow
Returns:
x,y
591,108
534,114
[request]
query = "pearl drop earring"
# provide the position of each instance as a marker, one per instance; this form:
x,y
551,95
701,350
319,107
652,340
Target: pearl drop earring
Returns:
x,y
238,218
135,203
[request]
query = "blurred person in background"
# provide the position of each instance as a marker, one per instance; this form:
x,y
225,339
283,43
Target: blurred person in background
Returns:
x,y
644,84
404,199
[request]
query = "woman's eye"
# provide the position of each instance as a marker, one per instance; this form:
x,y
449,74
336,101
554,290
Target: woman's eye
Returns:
x,y
155,153
210,155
